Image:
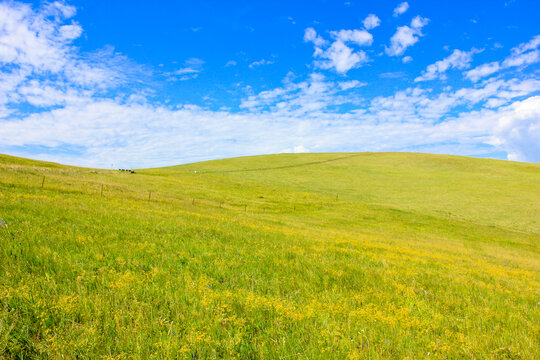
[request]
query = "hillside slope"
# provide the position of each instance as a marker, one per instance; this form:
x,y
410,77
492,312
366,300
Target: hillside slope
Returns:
x,y
492,192
365,255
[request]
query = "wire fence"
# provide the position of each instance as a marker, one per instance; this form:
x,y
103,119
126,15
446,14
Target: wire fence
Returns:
x,y
67,183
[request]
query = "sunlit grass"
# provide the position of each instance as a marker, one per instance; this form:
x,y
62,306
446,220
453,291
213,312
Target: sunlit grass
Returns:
x,y
313,256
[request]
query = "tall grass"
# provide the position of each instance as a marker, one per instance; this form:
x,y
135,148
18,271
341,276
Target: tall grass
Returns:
x,y
313,256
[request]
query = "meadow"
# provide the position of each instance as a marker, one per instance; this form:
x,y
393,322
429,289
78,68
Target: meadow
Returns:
x,y
292,256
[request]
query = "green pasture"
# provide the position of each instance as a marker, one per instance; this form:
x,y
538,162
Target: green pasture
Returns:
x,y
292,256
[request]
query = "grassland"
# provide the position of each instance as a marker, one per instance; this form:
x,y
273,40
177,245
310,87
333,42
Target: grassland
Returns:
x,y
312,256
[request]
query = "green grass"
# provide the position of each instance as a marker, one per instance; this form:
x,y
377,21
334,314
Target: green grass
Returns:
x,y
311,256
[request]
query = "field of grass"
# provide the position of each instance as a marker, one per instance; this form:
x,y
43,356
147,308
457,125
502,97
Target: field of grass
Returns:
x,y
308,256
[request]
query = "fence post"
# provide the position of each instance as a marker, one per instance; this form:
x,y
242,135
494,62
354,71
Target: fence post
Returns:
x,y
149,195
101,190
43,182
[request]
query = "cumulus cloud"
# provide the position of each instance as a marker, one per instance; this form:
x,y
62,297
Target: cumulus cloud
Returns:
x,y
371,21
70,32
260,63
29,39
186,70
518,130
520,56
406,36
418,22
339,55
296,150
401,8
300,98
40,66
457,60
482,71
194,62
310,35
413,113
341,58
141,134
359,37
192,68
524,54
407,59
58,9
346,85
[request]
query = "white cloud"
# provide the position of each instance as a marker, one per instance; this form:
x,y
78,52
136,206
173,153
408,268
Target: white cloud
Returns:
x,y
406,36
371,21
524,54
194,62
300,98
457,60
230,63
339,56
419,22
40,66
296,150
359,37
401,120
401,8
527,58
31,40
346,85
260,63
310,35
58,9
520,56
134,134
70,32
43,94
186,70
393,75
482,71
518,130
407,59
533,44
191,70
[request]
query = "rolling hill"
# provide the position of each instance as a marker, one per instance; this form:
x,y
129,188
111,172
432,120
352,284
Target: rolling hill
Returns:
x,y
305,256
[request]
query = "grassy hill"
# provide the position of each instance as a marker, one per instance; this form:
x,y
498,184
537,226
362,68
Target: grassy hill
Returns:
x,y
305,256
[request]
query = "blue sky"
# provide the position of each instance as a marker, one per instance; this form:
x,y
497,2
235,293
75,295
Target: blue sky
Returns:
x,y
139,84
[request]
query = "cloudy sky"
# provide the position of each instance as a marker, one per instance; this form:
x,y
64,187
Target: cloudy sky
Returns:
x,y
138,84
